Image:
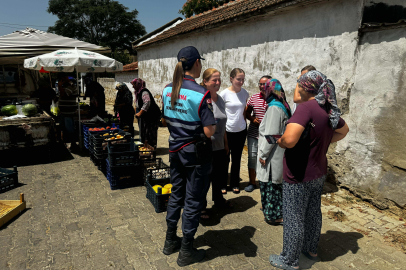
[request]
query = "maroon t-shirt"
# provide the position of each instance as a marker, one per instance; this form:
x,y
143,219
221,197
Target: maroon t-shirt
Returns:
x,y
307,160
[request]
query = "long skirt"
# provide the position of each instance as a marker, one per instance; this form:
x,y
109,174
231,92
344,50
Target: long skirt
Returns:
x,y
271,198
148,131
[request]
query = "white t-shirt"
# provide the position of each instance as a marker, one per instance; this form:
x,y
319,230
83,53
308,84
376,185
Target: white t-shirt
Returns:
x,y
235,105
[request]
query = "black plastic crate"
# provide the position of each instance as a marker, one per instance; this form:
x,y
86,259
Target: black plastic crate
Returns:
x,y
158,200
146,154
123,177
8,179
122,158
156,167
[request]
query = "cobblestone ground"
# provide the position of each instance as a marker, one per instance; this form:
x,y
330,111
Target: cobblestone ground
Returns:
x,y
74,221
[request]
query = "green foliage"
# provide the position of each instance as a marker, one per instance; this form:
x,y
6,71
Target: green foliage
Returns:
x,y
101,22
194,7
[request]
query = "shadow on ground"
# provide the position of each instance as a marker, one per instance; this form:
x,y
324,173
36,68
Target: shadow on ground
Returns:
x,y
241,204
228,242
335,244
35,155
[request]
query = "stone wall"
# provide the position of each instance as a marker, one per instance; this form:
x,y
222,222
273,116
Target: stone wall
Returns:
x,y
109,85
369,75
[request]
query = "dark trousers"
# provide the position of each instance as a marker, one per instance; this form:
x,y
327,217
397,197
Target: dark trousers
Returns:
x,y
236,141
218,176
190,183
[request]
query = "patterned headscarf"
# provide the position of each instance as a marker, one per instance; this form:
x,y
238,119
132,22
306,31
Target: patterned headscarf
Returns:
x,y
317,83
138,83
273,90
121,86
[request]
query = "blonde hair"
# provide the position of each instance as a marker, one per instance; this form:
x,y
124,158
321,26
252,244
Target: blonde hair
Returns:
x,y
177,81
207,74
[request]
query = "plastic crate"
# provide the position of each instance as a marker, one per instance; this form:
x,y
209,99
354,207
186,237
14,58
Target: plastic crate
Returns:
x,y
123,177
158,200
160,170
147,154
8,179
122,158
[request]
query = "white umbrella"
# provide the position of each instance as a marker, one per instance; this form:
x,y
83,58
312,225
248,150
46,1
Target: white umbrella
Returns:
x,y
69,60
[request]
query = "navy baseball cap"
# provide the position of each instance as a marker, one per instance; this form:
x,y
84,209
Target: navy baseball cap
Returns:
x,y
191,54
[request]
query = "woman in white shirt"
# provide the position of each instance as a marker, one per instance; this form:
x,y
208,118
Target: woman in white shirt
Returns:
x,y
235,98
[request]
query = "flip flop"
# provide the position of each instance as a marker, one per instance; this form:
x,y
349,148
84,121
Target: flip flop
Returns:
x,y
276,262
224,191
235,191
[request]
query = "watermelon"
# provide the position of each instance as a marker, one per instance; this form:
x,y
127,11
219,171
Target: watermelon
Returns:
x,y
9,110
29,110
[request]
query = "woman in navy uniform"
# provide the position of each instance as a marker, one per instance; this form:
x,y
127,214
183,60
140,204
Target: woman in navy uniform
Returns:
x,y
188,113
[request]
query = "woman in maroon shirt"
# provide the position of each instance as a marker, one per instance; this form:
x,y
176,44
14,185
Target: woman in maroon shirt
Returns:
x,y
315,124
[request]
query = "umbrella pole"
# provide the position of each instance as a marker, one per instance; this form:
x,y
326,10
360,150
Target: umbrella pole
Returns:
x,y
80,126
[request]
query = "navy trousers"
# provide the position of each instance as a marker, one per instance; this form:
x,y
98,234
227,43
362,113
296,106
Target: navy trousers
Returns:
x,y
190,183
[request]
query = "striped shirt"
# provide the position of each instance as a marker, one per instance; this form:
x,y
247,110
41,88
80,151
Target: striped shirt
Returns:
x,y
259,106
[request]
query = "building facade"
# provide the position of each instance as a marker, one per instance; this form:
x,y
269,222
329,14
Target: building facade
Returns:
x,y
279,37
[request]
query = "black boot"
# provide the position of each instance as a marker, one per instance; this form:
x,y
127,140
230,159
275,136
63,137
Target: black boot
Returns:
x,y
188,254
172,242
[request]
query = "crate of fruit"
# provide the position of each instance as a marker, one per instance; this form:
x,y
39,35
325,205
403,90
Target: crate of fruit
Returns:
x,y
158,193
145,150
156,168
8,179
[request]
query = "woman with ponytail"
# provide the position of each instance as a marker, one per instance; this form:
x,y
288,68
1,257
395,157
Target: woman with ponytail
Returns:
x,y
309,132
188,113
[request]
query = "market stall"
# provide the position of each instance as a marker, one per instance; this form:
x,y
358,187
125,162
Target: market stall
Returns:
x,y
71,60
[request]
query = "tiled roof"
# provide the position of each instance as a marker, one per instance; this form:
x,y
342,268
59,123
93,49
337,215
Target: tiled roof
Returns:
x,y
216,15
130,67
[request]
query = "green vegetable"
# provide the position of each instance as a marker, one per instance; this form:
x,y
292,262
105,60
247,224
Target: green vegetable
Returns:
x,y
29,110
9,110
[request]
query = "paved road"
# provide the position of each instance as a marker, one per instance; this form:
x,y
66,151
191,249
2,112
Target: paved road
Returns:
x,y
74,221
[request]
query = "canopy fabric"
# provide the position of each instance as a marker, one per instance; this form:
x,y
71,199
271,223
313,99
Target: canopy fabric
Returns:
x,y
19,45
68,60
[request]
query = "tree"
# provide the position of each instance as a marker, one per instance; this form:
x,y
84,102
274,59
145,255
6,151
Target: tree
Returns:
x,y
102,22
194,7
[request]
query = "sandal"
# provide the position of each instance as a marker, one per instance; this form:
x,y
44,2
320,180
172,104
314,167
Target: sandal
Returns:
x,y
224,191
225,205
236,190
205,215
276,262
273,222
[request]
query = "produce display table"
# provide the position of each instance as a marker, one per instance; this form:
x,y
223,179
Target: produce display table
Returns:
x,y
27,132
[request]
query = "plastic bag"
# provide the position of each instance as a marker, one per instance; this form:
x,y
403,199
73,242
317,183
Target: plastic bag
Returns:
x,y
54,108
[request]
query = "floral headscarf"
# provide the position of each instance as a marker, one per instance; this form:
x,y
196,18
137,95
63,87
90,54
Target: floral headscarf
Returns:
x,y
273,90
138,83
317,83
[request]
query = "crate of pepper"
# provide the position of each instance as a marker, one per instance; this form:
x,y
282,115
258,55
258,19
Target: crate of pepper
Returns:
x,y
100,141
8,179
158,192
156,168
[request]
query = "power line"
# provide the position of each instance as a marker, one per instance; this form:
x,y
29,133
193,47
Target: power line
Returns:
x,y
23,24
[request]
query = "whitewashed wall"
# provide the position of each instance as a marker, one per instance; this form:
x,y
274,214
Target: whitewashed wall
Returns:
x,y
368,77
126,76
